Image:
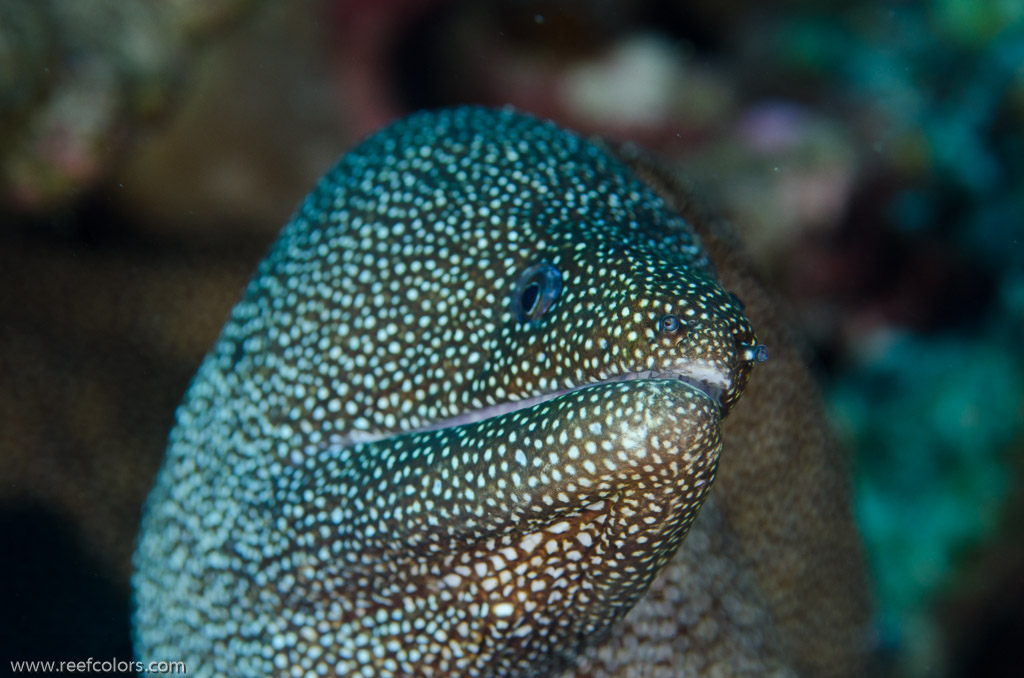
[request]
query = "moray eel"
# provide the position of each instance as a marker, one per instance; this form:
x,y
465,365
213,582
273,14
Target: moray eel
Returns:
x,y
466,411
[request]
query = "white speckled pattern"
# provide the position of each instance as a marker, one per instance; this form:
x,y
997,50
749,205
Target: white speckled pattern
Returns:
x,y
348,491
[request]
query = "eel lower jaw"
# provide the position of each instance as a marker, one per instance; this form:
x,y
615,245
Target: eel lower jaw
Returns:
x,y
709,381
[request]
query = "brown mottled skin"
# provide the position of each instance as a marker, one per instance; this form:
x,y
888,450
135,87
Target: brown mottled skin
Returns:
x,y
466,412
781,504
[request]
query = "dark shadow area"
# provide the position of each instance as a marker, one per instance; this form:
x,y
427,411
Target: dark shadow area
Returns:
x,y
58,603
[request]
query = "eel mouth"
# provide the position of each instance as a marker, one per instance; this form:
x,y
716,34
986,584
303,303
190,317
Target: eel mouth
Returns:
x,y
709,381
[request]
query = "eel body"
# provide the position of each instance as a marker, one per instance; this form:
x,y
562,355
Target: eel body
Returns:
x,y
465,413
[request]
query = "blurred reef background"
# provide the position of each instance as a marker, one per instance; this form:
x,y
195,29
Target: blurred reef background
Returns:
x,y
872,154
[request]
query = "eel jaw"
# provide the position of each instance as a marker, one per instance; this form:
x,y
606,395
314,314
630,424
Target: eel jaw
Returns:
x,y
606,527
703,378
708,381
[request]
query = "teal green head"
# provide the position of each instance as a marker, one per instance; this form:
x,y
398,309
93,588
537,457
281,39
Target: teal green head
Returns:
x,y
466,409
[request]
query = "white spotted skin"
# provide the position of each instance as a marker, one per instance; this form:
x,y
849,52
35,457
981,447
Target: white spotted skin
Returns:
x,y
276,543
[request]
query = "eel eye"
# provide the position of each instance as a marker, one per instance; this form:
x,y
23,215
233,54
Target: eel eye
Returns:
x,y
669,323
536,291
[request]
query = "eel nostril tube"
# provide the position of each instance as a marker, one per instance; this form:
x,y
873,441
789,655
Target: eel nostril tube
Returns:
x,y
754,352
